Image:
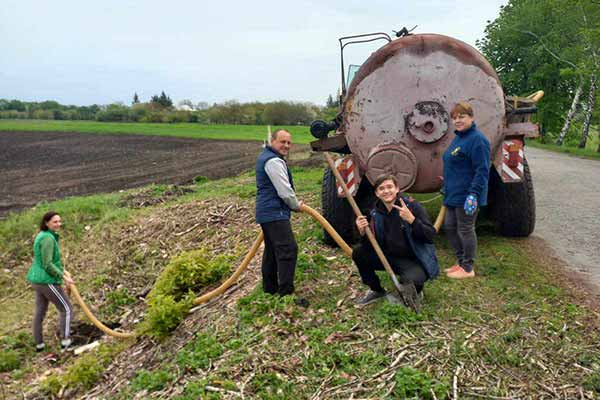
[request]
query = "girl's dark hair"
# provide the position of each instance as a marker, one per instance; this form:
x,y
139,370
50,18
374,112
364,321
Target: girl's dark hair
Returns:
x,y
47,217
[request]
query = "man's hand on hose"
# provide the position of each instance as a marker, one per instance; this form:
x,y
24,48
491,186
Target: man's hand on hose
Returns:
x,y
362,224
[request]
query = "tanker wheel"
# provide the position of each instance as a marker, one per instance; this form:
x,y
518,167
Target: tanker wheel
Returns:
x,y
338,211
512,205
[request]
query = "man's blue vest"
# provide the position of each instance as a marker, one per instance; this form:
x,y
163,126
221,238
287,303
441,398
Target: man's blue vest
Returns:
x,y
269,206
425,252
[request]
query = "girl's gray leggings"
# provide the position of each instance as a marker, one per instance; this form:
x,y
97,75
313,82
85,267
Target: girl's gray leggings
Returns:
x,y
57,296
460,231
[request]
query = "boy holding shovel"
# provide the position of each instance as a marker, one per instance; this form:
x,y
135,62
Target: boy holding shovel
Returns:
x,y
404,232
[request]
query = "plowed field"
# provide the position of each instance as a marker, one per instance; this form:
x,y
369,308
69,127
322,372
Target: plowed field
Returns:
x,y
52,165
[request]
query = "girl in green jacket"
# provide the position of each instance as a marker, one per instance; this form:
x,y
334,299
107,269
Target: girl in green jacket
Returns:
x,y
46,276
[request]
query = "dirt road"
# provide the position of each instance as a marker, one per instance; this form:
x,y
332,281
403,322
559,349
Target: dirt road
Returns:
x,y
567,191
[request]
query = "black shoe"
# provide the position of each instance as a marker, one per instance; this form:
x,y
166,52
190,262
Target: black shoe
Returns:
x,y
40,347
370,297
302,302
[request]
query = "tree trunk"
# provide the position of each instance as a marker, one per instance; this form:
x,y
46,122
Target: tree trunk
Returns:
x,y
570,115
589,111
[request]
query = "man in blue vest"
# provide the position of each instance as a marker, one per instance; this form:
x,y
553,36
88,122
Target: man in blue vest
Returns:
x,y
275,199
405,233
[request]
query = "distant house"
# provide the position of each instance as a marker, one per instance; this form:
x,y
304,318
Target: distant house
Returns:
x,y
184,107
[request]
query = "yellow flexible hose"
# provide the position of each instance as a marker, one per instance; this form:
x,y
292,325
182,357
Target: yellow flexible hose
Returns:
x,y
94,320
234,277
440,219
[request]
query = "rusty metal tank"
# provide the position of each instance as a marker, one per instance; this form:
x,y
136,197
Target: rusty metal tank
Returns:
x,y
395,118
396,111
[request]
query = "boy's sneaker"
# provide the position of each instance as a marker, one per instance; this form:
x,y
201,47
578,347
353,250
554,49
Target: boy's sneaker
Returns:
x,y
40,347
370,297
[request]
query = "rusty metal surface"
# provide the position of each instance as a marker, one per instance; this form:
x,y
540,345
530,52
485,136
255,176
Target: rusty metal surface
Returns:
x,y
395,159
527,129
401,98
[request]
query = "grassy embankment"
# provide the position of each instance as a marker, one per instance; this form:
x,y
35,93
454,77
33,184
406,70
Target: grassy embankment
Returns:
x,y
198,131
590,150
514,331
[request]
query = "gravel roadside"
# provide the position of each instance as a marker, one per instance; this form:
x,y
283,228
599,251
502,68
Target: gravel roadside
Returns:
x,y
567,191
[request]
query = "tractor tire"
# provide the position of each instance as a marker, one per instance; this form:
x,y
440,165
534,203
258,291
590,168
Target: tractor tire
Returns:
x,y
512,205
337,211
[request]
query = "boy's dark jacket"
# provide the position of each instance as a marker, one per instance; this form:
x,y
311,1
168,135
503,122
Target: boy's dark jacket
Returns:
x,y
418,235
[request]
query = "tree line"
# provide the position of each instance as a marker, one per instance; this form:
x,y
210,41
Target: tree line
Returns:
x,y
553,45
161,109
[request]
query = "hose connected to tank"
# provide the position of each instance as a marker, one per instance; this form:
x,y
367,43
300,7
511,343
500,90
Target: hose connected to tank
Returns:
x,y
234,277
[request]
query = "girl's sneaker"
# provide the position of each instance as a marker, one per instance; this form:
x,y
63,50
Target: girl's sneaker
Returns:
x,y
64,344
453,268
461,274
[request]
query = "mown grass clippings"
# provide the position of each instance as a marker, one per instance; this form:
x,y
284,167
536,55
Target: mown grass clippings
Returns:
x,y
271,386
199,353
411,383
197,390
592,383
332,349
151,381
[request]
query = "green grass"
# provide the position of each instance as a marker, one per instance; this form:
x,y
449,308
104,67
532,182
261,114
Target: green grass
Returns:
x,y
301,134
514,321
576,151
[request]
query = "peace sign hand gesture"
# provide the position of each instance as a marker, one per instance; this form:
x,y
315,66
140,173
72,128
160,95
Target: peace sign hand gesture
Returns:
x,y
404,212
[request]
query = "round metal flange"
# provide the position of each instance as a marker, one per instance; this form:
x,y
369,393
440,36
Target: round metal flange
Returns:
x,y
428,121
393,159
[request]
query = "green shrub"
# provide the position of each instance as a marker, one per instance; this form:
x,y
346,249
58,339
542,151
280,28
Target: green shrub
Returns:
x,y
151,381
85,372
411,383
9,360
51,385
173,294
192,270
200,352
164,314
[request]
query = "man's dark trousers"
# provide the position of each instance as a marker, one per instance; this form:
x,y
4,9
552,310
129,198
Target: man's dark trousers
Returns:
x,y
367,261
279,257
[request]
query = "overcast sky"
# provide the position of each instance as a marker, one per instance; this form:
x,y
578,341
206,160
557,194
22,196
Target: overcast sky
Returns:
x,y
83,52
